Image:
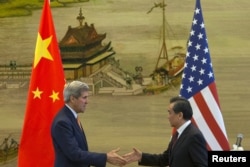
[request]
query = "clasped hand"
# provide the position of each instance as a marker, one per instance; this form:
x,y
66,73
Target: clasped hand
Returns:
x,y
115,159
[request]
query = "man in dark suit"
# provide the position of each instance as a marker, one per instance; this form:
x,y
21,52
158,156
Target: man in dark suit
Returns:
x,y
69,140
187,149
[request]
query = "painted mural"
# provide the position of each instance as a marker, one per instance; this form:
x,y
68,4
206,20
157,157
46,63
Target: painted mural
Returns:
x,y
89,51
130,86
89,56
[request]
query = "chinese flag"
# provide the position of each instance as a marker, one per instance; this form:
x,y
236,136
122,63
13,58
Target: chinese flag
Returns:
x,y
45,97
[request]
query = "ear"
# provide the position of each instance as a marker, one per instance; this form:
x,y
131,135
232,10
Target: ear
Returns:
x,y
180,115
72,98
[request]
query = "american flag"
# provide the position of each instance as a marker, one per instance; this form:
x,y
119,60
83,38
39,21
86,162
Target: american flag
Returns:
x,y
198,86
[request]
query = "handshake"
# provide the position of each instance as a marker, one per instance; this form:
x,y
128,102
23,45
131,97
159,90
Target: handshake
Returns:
x,y
120,160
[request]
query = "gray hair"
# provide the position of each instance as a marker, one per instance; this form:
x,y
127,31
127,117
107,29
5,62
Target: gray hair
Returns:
x,y
75,89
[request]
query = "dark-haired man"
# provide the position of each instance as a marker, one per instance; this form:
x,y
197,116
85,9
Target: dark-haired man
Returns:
x,y
187,147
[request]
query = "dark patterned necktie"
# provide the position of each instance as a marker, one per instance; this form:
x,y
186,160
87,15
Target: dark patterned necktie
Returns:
x,y
174,139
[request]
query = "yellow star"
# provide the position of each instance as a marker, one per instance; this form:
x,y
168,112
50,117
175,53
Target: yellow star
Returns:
x,y
37,93
54,96
42,49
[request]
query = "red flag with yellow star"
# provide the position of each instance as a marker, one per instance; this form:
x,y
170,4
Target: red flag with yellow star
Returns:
x,y
45,97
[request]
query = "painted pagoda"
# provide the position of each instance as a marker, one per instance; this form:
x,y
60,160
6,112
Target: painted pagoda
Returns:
x,y
82,51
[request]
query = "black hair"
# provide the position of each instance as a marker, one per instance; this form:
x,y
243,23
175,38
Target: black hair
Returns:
x,y
181,104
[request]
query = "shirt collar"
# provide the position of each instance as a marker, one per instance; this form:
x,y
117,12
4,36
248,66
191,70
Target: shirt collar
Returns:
x,y
183,127
73,112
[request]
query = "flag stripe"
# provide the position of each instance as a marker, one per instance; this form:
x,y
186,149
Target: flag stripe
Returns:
x,y
214,108
193,121
215,119
203,126
210,114
215,94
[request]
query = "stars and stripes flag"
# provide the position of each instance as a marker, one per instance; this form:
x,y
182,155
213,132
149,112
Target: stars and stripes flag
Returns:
x,y
44,99
198,86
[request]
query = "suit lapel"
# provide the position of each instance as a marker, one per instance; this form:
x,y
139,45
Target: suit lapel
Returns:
x,y
183,136
80,132
180,141
83,136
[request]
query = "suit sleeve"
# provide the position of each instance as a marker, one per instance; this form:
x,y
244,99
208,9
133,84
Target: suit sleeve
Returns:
x,y
66,139
160,160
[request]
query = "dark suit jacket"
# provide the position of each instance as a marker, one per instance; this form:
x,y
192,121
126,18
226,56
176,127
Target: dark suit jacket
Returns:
x,y
189,151
70,144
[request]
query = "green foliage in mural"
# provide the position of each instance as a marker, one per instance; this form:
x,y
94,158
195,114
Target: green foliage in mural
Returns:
x,y
13,8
